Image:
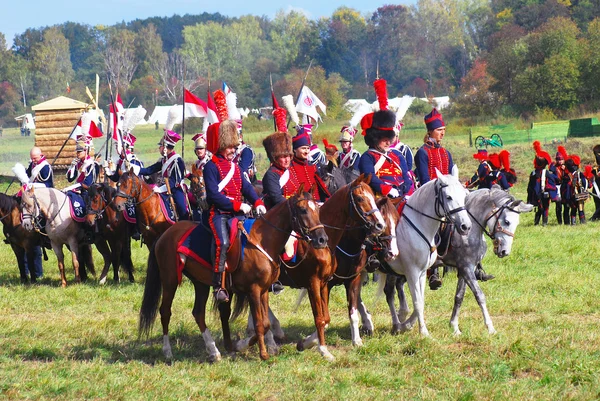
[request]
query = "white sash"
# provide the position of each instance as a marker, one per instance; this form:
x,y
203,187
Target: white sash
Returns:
x,y
543,180
285,177
36,170
168,163
227,178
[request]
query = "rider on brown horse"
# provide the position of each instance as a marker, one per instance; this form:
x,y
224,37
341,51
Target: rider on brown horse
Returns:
x,y
226,188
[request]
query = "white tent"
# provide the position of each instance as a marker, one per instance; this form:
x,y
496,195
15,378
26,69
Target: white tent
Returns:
x,y
26,121
159,114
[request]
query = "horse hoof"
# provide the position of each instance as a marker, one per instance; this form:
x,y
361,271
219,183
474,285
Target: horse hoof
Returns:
x,y
273,350
395,329
102,281
366,331
214,358
264,356
357,343
492,331
300,346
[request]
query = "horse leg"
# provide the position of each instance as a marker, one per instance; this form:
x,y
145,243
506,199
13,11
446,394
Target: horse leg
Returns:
x,y
272,337
75,259
115,257
318,297
403,311
352,299
276,327
60,257
169,289
102,246
225,314
89,256
199,312
458,299
20,254
416,285
125,258
389,290
480,297
272,347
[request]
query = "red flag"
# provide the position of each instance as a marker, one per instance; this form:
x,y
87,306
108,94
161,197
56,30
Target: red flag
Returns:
x,y
275,103
76,131
95,131
194,106
211,110
68,88
119,104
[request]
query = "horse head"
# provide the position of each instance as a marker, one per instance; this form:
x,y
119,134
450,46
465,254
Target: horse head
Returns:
x,y
503,221
129,189
31,208
386,241
305,218
197,187
450,198
363,207
96,204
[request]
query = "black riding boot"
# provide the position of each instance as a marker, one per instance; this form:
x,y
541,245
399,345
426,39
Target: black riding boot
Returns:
x,y
582,217
544,220
558,213
538,215
220,292
135,232
481,275
435,282
566,215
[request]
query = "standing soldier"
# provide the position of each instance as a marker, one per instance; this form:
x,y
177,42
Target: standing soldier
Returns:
x,y
349,157
226,187
494,176
172,171
578,190
542,186
431,156
595,182
483,169
562,181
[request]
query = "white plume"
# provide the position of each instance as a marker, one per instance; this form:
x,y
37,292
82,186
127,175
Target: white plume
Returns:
x,y
360,113
400,106
288,103
132,117
86,121
21,173
232,110
175,116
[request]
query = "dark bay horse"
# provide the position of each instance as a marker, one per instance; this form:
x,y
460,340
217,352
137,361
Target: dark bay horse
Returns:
x,y
248,281
114,234
150,218
352,207
21,241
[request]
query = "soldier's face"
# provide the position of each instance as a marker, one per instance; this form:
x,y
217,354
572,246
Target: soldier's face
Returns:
x,y
346,145
384,144
81,155
229,153
35,156
438,134
283,161
302,152
200,153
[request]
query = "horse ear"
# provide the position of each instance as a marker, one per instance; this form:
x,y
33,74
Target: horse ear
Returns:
x,y
314,188
131,170
300,190
521,207
367,179
194,169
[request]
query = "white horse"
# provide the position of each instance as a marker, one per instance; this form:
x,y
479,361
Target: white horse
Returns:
x,y
494,213
440,200
60,227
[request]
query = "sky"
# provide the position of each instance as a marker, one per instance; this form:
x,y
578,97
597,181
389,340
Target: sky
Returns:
x,y
18,16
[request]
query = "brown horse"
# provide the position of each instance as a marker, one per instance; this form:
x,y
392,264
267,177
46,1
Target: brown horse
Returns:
x,y
150,218
113,241
21,241
247,281
350,208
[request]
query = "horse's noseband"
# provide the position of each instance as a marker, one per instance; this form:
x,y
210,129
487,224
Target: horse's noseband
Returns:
x,y
440,203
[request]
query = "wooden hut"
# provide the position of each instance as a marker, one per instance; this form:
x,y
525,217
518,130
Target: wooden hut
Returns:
x,y
54,120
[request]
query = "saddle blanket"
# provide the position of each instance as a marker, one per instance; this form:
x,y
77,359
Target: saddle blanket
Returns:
x,y
129,213
197,242
77,206
165,206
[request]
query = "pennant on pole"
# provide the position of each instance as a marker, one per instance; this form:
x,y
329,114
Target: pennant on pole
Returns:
x,y
211,110
76,133
95,131
194,106
308,102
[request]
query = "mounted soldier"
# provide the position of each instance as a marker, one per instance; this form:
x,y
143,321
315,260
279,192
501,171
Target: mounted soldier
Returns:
x,y
244,156
203,155
348,158
226,187
305,172
172,172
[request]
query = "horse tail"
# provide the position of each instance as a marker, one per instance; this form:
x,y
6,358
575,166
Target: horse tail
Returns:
x,y
125,257
380,285
240,305
303,293
152,293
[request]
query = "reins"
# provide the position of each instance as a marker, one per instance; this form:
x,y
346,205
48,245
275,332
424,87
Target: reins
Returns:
x,y
497,212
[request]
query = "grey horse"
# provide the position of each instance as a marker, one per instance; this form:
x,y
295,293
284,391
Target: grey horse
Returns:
x,y
495,214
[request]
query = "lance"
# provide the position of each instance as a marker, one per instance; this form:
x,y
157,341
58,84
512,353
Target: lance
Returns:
x,y
300,91
65,143
273,96
183,118
115,129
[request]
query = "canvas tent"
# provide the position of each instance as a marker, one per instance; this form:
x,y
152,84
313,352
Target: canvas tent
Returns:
x,y
26,121
159,114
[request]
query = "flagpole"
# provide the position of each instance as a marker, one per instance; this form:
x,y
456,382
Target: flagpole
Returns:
x,y
183,119
300,91
273,96
65,144
115,129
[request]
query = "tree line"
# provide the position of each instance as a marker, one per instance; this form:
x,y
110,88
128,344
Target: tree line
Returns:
x,y
500,57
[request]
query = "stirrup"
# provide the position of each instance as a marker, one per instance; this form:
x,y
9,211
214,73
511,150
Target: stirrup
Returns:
x,y
221,295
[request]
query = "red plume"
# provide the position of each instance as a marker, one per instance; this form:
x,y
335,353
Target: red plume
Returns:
x,y
505,159
380,86
280,116
588,172
537,146
221,104
561,149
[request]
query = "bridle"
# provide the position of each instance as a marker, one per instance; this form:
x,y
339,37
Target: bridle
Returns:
x,y
297,227
497,214
133,199
364,216
98,213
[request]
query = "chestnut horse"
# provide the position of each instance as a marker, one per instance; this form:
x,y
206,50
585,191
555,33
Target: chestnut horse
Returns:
x,y
21,240
150,218
113,241
249,280
351,208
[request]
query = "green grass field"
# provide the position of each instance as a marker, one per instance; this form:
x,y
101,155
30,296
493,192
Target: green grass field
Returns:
x,y
80,343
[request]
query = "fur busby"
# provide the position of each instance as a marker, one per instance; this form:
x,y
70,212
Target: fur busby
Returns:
x,y
221,105
228,135
542,158
277,145
377,126
561,154
280,116
434,120
481,155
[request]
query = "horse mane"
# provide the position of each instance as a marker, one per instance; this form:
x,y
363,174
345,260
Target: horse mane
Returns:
x,y
498,195
385,205
8,202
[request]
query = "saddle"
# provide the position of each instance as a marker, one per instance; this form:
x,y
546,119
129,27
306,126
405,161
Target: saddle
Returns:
x,y
77,206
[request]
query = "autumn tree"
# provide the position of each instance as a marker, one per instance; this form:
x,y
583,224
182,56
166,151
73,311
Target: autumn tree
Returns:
x,y
120,61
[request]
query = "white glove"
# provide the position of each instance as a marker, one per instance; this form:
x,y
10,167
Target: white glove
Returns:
x,y
105,164
108,171
74,162
393,193
245,208
260,209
